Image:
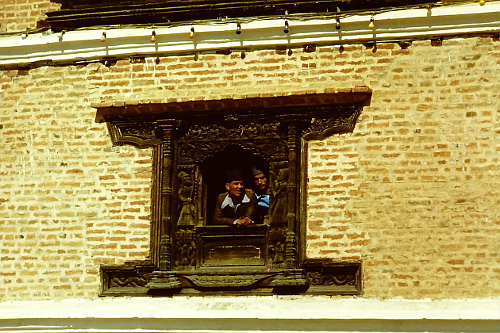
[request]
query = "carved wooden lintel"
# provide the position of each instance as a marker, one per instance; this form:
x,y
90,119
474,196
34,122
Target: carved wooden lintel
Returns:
x,y
213,281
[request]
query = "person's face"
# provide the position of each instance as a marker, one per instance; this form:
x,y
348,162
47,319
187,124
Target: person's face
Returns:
x,y
260,181
235,188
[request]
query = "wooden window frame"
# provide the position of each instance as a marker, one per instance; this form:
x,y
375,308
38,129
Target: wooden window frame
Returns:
x,y
185,134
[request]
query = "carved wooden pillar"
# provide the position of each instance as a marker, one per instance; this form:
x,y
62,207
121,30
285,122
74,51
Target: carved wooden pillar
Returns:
x,y
156,213
293,204
292,175
165,155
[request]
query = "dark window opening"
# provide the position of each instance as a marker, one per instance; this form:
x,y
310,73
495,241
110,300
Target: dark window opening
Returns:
x,y
215,168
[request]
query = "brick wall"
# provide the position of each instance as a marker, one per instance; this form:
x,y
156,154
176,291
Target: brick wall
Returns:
x,y
20,15
412,192
69,200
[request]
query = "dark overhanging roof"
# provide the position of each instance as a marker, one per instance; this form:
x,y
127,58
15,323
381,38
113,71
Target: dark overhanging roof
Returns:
x,y
75,14
261,103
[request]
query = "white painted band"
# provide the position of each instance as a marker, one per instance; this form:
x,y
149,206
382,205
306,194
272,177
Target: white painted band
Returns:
x,y
409,24
251,314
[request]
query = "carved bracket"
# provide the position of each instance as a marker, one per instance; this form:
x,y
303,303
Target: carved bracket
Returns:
x,y
321,128
137,134
333,278
126,280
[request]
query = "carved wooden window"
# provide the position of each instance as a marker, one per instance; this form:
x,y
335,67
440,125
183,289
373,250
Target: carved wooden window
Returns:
x,y
193,141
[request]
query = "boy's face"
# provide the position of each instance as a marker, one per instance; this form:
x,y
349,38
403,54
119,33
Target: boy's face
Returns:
x,y
235,188
260,181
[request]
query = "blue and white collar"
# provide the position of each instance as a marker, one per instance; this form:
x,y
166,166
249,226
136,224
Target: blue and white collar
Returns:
x,y
229,202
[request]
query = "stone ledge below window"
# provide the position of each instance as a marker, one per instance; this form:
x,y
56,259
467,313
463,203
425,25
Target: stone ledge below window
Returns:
x,y
263,314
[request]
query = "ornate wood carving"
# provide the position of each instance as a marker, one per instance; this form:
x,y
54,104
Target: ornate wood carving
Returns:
x,y
324,276
329,277
321,128
165,253
203,141
187,195
166,129
137,134
277,246
187,252
128,279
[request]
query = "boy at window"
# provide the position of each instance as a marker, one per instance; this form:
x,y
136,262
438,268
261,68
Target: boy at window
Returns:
x,y
237,206
261,185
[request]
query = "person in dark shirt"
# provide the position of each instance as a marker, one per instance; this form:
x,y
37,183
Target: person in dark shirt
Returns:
x,y
237,206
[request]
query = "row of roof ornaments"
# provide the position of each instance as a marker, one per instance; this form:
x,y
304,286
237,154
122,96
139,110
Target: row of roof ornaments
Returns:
x,y
88,35
76,14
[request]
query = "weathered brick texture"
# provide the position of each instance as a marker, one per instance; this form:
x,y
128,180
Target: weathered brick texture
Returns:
x,y
69,200
413,192
22,15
